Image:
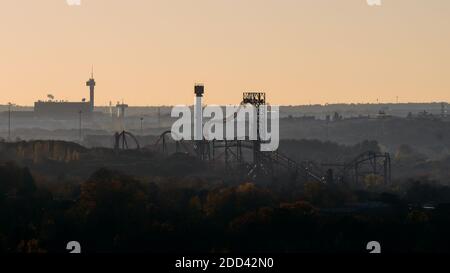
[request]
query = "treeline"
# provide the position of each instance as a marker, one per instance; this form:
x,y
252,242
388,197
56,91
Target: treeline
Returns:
x,y
114,212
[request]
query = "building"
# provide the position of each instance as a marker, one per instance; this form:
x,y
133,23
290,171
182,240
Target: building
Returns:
x,y
65,109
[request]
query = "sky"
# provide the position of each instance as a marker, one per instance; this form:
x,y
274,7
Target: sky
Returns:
x,y
152,52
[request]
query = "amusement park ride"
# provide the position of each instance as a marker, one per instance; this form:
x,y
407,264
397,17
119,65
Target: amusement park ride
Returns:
x,y
245,156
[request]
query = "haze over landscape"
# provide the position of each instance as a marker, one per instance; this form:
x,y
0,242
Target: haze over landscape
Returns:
x,y
356,161
299,52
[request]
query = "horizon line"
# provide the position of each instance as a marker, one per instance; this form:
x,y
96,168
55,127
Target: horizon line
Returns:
x,y
281,105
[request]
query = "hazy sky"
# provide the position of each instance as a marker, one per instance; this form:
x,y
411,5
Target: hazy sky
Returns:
x,y
151,52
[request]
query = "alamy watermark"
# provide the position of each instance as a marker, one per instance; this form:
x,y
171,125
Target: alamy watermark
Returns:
x,y
242,122
374,2
73,2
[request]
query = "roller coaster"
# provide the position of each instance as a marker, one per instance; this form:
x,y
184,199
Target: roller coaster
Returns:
x,y
246,155
355,171
237,154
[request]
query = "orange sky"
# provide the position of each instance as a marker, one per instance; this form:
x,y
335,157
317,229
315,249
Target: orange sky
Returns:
x,y
151,52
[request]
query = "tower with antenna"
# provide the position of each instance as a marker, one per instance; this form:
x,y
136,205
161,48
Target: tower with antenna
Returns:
x,y
91,84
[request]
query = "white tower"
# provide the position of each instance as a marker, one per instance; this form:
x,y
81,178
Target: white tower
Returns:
x,y
198,112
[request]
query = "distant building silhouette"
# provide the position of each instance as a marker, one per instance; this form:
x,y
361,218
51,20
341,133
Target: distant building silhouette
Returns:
x,y
59,109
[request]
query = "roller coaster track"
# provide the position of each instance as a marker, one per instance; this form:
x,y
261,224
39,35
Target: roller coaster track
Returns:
x,y
179,144
121,142
288,163
271,158
366,163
